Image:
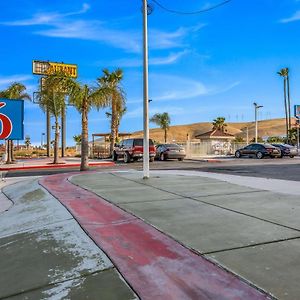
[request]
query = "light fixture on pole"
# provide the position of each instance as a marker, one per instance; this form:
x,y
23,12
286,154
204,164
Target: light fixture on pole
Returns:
x,y
146,10
256,107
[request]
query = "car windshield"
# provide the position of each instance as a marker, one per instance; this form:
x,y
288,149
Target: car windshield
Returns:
x,y
172,146
139,142
268,146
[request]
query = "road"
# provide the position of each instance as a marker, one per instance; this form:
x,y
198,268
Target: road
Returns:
x,y
286,168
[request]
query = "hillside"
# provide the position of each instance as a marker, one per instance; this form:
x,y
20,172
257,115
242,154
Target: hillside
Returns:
x,y
273,127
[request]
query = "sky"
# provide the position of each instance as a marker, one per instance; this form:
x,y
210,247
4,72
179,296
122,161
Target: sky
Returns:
x,y
201,66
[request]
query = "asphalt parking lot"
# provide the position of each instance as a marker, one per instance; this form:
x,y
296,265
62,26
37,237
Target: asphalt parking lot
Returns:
x,y
285,168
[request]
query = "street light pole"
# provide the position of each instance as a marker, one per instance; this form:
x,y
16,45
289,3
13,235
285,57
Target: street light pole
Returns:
x,y
256,107
145,92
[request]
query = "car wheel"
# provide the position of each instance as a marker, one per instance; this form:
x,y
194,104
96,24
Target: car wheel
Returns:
x,y
114,156
259,155
238,154
151,159
291,156
162,157
126,157
180,159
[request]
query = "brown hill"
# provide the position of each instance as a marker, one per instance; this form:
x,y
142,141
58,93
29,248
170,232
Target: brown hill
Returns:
x,y
274,127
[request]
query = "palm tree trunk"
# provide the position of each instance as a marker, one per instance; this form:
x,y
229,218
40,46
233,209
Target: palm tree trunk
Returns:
x,y
285,109
8,152
113,126
84,166
56,141
165,135
289,101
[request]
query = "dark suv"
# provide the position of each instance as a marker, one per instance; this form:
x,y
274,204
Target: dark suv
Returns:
x,y
132,149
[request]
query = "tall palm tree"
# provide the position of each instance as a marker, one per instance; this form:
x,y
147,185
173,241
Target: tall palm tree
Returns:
x,y
84,98
284,73
163,121
15,91
288,97
219,124
53,100
119,114
109,83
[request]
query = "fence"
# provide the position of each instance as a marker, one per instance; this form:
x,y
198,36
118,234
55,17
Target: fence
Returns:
x,y
196,149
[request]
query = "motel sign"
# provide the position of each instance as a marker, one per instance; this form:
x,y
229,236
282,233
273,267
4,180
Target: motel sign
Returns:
x,y
11,119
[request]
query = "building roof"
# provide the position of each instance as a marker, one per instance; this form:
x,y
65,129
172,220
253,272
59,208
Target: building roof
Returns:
x,y
215,134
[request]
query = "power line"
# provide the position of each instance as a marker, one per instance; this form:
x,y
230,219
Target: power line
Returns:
x,y
191,12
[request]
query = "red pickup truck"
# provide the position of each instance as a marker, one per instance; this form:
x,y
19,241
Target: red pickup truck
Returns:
x,y
132,149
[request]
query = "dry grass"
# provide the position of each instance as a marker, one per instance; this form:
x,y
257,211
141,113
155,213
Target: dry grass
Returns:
x,y
274,127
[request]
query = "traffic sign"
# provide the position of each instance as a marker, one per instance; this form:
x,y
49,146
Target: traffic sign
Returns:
x,y
11,119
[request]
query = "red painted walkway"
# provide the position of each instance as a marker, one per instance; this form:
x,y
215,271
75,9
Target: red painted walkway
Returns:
x,y
156,266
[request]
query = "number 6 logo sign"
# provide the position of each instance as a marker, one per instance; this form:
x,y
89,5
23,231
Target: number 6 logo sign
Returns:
x,y
11,119
6,124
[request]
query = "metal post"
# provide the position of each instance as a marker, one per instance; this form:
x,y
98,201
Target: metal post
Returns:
x,y
256,129
63,133
256,106
145,88
247,137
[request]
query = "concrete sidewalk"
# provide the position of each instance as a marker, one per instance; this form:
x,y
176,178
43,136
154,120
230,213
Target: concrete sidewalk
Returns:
x,y
249,227
46,255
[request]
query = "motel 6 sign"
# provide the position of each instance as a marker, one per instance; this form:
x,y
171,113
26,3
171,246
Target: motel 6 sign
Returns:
x,y
11,119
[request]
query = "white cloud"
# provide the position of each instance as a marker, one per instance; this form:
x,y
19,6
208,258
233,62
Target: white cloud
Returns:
x,y
169,87
7,80
138,62
293,18
63,26
46,18
221,90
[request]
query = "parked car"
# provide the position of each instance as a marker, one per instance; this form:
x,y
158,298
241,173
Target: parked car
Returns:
x,y
169,151
132,149
287,150
259,150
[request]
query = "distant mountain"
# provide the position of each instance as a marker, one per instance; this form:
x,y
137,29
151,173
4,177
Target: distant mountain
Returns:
x,y
266,128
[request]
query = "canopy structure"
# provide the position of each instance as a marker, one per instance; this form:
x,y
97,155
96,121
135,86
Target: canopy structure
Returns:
x,y
103,150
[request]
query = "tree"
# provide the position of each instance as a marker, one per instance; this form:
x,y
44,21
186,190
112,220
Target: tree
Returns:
x,y
109,84
163,121
27,141
52,99
84,98
286,97
119,114
219,124
238,139
275,139
77,139
259,140
15,91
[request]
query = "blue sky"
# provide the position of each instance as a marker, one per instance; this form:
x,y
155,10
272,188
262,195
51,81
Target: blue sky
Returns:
x,y
201,66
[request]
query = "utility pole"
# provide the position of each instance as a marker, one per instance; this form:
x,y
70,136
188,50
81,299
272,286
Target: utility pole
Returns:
x,y
256,107
145,92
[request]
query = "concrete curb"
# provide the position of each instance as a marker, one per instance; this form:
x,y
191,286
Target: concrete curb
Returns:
x,y
58,166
